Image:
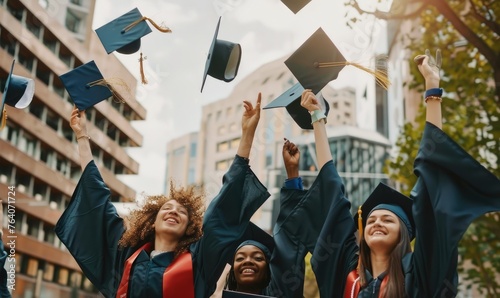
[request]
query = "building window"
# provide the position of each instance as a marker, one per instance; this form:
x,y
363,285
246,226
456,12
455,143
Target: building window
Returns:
x,y
48,272
72,21
32,267
192,151
62,276
222,146
221,165
179,151
235,143
222,130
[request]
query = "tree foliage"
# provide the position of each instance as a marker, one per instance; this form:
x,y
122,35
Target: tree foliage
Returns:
x,y
468,34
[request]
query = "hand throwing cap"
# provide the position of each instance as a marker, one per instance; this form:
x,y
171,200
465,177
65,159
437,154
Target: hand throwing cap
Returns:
x,y
291,100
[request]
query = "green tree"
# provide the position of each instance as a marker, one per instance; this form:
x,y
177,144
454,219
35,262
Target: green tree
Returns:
x,y
468,34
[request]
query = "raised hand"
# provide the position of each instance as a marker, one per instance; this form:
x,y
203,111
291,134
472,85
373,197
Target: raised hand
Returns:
x,y
291,156
251,115
429,68
78,122
309,100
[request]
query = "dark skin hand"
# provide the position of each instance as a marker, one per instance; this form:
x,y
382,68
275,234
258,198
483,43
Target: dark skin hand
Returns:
x,y
291,156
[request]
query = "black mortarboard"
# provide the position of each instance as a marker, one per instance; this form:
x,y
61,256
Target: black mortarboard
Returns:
x,y
257,237
87,87
121,35
291,100
318,61
295,5
18,92
223,59
234,294
387,198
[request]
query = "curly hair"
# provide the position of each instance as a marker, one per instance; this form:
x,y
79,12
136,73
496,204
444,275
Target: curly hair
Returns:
x,y
141,229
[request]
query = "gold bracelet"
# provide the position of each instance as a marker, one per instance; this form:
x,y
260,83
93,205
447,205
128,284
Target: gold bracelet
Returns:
x,y
432,97
84,136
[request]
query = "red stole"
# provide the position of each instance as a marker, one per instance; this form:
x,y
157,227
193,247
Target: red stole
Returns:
x,y
177,280
352,286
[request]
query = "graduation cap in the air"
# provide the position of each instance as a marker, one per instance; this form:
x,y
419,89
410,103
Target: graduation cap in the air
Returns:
x,y
291,100
223,59
234,294
257,237
318,61
295,5
87,87
18,92
387,198
124,34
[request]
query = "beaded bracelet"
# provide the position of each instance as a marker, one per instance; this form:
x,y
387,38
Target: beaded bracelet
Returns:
x,y
433,98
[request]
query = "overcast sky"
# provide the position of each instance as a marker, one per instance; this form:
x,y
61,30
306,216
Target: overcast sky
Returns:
x,y
265,29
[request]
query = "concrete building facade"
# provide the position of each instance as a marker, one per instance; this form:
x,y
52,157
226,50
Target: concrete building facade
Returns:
x,y
39,161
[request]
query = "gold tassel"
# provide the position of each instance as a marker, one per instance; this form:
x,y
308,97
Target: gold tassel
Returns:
x,y
360,231
143,76
381,76
160,28
3,121
107,83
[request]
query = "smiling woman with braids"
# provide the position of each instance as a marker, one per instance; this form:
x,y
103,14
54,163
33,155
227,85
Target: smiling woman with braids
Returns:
x,y
169,248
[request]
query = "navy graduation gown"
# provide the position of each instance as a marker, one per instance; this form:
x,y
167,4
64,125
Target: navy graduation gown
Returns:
x,y
91,228
4,292
451,191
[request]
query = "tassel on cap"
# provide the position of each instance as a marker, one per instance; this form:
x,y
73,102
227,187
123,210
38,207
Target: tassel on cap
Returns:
x,y
107,83
160,28
360,231
3,121
381,76
144,81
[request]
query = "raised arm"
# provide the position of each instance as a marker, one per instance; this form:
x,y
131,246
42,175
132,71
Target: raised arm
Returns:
x,y
323,152
429,68
249,122
78,122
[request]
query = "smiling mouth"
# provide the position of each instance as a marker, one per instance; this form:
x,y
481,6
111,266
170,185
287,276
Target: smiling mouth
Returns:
x,y
171,220
248,271
377,233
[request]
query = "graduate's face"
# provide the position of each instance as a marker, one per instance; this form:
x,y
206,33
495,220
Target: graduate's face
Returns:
x,y
382,230
172,219
250,266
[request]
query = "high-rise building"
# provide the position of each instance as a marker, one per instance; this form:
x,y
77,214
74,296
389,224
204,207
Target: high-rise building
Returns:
x,y
39,161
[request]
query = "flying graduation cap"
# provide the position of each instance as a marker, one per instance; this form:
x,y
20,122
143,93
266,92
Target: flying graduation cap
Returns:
x,y
223,59
124,34
314,64
87,87
318,61
295,5
18,92
290,99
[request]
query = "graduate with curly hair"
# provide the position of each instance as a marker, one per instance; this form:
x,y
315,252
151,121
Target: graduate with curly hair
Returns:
x,y
170,248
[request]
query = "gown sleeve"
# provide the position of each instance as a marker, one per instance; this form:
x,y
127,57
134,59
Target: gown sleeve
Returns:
x,y
452,190
226,220
287,263
323,223
4,292
90,228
